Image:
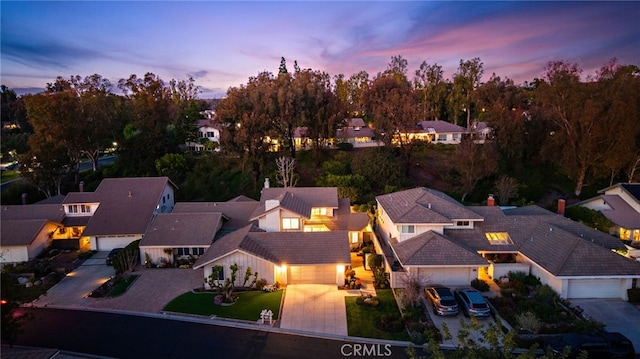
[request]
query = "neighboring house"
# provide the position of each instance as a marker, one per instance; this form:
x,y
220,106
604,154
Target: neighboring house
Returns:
x,y
293,235
620,203
482,131
357,133
439,132
208,137
27,230
426,233
120,209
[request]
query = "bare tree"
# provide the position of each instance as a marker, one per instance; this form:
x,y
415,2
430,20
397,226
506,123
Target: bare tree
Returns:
x,y
286,171
507,188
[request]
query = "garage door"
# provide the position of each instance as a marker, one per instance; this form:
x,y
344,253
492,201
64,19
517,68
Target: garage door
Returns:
x,y
312,275
594,288
107,244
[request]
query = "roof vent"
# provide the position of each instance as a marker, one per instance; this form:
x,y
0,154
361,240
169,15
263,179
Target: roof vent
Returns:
x,y
429,205
550,229
130,194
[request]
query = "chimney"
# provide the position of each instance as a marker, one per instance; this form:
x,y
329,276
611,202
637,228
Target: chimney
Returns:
x,y
266,182
491,201
24,198
561,206
81,186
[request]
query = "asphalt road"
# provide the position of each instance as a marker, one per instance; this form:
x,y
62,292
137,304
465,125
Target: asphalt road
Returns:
x,y
132,336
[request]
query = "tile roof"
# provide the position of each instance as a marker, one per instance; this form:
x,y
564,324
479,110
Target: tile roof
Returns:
x,y
126,206
53,212
424,205
292,248
236,214
433,249
20,232
182,229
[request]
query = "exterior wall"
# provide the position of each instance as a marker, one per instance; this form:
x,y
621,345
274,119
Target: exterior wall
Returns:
x,y
596,204
167,201
155,254
14,254
265,269
450,276
41,241
271,221
497,270
547,278
419,229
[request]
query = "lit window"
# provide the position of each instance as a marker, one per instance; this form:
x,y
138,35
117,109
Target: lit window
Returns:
x,y
291,223
410,229
321,211
354,237
316,228
498,238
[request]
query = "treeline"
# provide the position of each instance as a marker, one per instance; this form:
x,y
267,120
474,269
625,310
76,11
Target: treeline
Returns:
x,y
586,127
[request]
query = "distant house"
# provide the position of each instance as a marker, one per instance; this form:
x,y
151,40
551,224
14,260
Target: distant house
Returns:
x,y
208,137
293,235
357,133
620,203
27,230
426,233
439,132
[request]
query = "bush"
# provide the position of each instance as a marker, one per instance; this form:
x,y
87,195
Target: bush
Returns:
x,y
416,337
368,301
634,295
261,283
390,323
480,285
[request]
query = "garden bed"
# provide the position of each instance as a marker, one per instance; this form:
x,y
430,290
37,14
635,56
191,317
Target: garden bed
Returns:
x,y
381,322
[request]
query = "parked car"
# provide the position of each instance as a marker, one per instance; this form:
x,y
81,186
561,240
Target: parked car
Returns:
x,y
602,345
111,255
472,302
442,299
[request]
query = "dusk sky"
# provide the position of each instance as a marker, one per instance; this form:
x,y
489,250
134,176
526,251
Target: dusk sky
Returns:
x,y
222,43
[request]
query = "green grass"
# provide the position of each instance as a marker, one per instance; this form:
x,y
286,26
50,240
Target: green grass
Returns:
x,y
9,175
248,306
361,320
122,285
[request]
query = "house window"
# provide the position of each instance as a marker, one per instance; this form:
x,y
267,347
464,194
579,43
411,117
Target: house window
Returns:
x,y
85,208
442,137
498,238
290,223
455,136
220,272
321,211
185,251
200,251
316,228
354,237
462,224
408,229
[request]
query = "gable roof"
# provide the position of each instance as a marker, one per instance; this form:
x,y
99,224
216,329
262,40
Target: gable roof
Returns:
x,y
299,200
433,249
182,229
127,205
621,213
235,214
440,127
20,232
423,206
633,189
291,248
53,212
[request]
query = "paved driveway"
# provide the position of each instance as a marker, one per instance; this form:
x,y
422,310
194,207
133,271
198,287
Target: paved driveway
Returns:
x,y
317,308
616,314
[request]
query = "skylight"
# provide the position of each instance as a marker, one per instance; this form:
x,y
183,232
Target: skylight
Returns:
x,y
498,238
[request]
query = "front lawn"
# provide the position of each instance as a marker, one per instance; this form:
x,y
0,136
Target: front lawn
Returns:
x,y
363,321
248,306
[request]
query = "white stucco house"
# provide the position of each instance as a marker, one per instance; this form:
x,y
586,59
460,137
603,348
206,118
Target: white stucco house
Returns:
x,y
208,137
427,233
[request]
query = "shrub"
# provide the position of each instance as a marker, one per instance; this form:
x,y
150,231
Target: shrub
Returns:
x,y
529,322
634,295
390,323
480,285
416,337
368,301
261,283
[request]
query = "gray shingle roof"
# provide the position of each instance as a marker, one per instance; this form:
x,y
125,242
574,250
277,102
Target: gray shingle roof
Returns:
x,y
236,214
298,199
433,249
126,205
52,212
621,213
292,248
441,127
20,232
182,229
423,205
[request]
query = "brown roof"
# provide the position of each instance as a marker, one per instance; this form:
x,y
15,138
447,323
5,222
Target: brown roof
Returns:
x,y
20,232
235,214
292,248
182,229
424,205
127,205
52,212
433,249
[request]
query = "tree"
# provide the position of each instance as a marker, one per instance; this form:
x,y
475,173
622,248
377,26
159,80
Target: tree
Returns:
x,y
465,82
172,165
474,162
507,188
286,171
185,98
357,85
431,90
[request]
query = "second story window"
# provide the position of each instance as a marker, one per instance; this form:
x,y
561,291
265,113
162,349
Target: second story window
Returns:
x,y
407,229
85,208
290,223
320,211
73,208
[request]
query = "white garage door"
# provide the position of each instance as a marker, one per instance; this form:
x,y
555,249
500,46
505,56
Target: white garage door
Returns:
x,y
447,276
312,275
107,244
594,288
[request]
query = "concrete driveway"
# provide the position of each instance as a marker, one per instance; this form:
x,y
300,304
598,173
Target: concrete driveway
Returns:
x,y
73,289
316,308
616,314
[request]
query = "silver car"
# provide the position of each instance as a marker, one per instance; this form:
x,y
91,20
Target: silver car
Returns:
x,y
472,302
442,300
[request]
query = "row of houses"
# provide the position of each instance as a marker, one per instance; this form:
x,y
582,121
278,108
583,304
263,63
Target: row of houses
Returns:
x,y
305,235
355,132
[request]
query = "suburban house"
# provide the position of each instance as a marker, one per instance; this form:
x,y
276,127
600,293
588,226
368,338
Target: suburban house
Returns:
x,y
208,137
27,230
293,235
358,133
439,132
425,233
119,211
620,204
